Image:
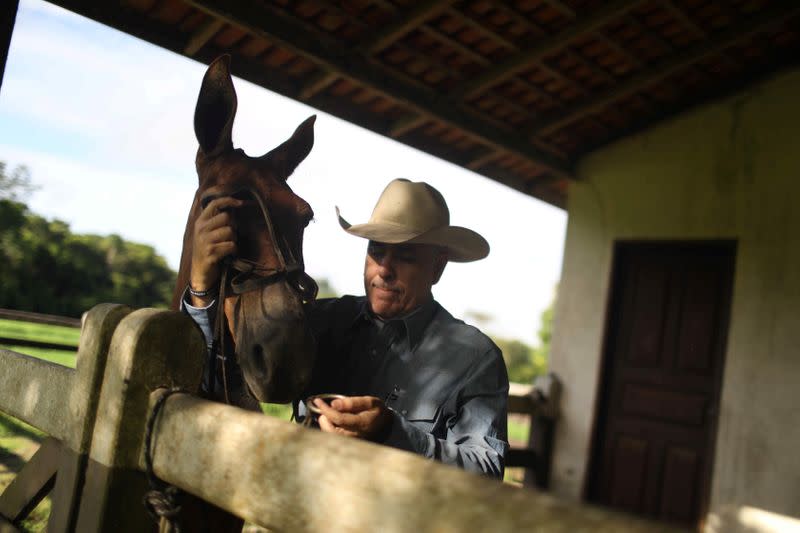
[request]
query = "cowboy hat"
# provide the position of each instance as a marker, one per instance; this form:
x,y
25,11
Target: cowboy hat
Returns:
x,y
415,212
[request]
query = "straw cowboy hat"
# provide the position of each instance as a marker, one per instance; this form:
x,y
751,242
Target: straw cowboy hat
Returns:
x,y
415,212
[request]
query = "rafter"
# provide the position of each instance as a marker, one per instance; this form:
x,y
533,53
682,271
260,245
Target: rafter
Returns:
x,y
319,82
562,7
406,124
413,121
416,16
684,58
694,27
277,26
202,35
482,160
552,44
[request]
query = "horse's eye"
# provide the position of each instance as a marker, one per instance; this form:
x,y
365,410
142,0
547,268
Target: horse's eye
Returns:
x,y
205,200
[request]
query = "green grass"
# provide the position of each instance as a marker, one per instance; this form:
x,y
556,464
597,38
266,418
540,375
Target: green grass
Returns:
x,y
39,332
44,333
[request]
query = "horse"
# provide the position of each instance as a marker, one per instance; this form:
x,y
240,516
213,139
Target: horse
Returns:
x,y
264,290
261,331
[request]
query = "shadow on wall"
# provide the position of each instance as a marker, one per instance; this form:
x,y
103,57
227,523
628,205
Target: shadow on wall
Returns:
x,y
744,519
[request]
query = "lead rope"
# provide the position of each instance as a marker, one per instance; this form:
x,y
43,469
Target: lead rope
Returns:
x,y
162,501
220,327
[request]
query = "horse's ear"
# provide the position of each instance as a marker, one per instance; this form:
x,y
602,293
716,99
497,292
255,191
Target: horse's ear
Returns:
x,y
216,108
292,152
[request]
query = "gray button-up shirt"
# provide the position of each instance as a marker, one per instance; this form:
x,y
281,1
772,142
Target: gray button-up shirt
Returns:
x,y
444,381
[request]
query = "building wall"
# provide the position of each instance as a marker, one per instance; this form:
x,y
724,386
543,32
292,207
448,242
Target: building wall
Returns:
x,y
727,170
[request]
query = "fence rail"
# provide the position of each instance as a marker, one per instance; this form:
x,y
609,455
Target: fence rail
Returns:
x,y
39,318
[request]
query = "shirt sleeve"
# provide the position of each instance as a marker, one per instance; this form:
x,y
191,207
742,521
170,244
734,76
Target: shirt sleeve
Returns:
x,y
204,318
476,433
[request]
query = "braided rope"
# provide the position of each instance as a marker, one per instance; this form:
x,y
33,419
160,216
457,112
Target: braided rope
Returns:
x,y
162,501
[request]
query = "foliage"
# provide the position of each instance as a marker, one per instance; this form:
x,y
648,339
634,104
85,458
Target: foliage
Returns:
x,y
15,185
523,361
46,268
326,290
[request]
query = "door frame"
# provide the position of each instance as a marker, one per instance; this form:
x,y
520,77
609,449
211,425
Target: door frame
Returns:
x,y
602,394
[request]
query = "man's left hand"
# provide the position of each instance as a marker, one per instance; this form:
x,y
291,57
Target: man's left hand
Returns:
x,y
354,416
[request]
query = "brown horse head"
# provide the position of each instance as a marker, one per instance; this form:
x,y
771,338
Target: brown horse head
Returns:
x,y
265,317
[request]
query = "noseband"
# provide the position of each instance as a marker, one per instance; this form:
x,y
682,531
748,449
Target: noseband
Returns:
x,y
245,276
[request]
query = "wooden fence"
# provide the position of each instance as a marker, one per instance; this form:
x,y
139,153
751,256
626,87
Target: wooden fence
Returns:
x,y
538,402
270,472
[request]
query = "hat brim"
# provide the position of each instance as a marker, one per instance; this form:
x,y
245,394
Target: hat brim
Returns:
x,y
463,245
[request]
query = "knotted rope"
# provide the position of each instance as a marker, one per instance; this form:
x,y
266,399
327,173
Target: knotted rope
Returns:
x,y
162,501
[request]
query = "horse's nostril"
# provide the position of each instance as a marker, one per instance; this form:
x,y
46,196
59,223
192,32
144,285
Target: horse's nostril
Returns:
x,y
258,360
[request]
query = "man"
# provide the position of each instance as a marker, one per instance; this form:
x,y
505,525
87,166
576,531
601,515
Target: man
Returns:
x,y
413,377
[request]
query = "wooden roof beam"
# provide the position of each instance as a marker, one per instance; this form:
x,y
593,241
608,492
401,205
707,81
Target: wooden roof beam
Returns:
x,y
665,68
522,60
693,26
319,82
487,157
562,7
276,25
202,35
385,36
406,124
379,40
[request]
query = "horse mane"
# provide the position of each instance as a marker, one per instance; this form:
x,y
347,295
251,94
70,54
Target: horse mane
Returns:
x,y
185,268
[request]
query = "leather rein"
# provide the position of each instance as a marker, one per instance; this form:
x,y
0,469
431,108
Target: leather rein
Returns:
x,y
242,275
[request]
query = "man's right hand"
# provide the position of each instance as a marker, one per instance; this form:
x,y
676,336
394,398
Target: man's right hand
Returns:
x,y
214,239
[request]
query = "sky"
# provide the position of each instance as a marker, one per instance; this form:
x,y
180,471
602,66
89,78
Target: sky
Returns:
x,y
104,123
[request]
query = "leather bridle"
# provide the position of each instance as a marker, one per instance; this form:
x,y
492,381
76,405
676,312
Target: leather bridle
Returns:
x,y
249,276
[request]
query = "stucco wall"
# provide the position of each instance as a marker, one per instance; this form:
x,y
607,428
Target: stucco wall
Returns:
x,y
727,170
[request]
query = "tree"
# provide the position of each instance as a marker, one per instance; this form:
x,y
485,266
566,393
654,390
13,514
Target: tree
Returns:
x,y
524,362
46,268
541,354
17,184
326,290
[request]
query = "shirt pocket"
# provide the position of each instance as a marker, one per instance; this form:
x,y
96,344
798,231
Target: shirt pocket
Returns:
x,y
422,416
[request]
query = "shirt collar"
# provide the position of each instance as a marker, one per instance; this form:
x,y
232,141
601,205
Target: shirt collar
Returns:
x,y
414,322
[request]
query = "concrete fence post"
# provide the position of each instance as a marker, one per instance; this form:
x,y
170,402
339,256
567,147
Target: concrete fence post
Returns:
x,y
149,349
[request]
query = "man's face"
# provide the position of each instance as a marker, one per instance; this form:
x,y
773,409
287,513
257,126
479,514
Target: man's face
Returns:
x,y
398,277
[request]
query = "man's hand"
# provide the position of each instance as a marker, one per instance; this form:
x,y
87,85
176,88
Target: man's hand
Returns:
x,y
355,416
214,239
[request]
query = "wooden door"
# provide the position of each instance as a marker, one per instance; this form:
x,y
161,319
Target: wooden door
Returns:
x,y
657,412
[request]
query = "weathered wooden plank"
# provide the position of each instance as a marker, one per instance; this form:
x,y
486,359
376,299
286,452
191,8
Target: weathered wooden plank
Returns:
x,y
32,483
39,399
39,318
80,412
149,349
288,478
6,526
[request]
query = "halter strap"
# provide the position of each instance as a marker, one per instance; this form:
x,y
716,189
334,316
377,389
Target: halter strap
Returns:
x,y
251,276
